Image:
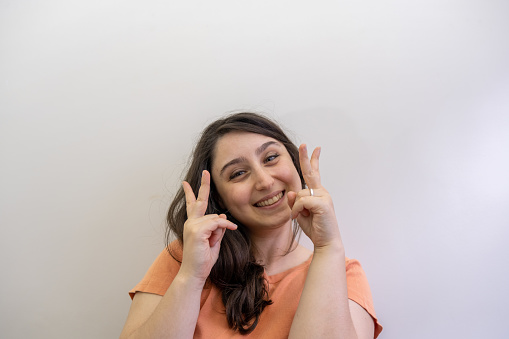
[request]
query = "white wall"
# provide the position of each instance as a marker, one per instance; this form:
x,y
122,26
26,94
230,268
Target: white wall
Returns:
x,y
101,101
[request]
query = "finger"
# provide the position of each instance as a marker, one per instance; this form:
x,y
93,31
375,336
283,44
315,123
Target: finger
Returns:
x,y
212,218
306,192
310,168
215,221
300,208
204,227
203,193
196,207
291,198
315,160
216,236
190,198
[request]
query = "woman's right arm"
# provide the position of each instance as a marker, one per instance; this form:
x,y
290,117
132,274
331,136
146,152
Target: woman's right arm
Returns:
x,y
174,315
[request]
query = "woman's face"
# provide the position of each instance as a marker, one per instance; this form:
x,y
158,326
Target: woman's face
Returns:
x,y
253,174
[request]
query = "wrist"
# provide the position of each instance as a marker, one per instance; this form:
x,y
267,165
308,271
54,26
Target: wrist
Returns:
x,y
189,281
331,248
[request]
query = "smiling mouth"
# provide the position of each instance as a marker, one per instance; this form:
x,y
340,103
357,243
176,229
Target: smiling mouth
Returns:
x,y
270,201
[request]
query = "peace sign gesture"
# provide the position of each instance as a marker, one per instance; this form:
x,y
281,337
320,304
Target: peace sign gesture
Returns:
x,y
313,207
202,232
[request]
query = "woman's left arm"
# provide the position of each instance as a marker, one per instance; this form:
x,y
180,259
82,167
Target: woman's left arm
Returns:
x,y
324,309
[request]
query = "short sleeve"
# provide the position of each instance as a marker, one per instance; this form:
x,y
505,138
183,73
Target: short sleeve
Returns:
x,y
359,291
161,273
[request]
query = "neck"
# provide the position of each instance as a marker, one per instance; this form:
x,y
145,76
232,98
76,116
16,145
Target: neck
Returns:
x,y
272,244
271,249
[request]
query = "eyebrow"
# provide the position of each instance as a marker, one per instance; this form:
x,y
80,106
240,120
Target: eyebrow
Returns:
x,y
258,151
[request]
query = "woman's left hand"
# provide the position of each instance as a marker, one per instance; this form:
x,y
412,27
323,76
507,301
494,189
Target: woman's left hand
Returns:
x,y
315,214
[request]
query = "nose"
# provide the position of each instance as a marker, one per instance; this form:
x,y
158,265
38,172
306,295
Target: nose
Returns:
x,y
263,179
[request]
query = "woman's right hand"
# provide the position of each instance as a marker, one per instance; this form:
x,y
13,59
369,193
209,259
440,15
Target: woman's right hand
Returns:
x,y
202,233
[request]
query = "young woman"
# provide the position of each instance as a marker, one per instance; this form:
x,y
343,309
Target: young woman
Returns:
x,y
236,268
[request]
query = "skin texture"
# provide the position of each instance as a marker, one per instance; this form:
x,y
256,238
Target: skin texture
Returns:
x,y
247,169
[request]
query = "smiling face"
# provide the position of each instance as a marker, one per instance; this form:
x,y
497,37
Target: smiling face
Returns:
x,y
253,174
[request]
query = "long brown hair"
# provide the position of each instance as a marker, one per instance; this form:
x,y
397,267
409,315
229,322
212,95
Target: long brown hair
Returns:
x,y
236,273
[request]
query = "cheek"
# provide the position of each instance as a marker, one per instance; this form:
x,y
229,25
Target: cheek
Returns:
x,y
294,178
298,183
237,198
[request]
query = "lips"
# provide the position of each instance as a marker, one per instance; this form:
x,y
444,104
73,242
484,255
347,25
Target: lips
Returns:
x,y
270,201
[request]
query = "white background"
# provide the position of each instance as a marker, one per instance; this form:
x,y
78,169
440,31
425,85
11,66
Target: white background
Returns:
x,y
101,102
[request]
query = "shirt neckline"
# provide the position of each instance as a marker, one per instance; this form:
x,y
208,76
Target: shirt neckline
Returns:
x,y
272,279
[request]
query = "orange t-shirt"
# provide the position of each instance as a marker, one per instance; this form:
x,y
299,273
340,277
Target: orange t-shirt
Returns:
x,y
285,289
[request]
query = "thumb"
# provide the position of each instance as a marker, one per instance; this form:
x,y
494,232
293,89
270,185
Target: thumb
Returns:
x,y
291,198
216,236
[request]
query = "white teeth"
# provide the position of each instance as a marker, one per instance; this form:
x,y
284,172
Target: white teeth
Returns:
x,y
270,201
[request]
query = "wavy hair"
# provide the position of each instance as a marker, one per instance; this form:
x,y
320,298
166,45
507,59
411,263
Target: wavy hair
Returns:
x,y
236,273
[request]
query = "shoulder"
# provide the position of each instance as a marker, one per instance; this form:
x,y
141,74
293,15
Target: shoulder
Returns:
x,y
357,283
359,290
353,266
169,260
162,271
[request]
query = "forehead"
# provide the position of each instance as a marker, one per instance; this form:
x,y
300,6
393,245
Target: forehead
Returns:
x,y
235,144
